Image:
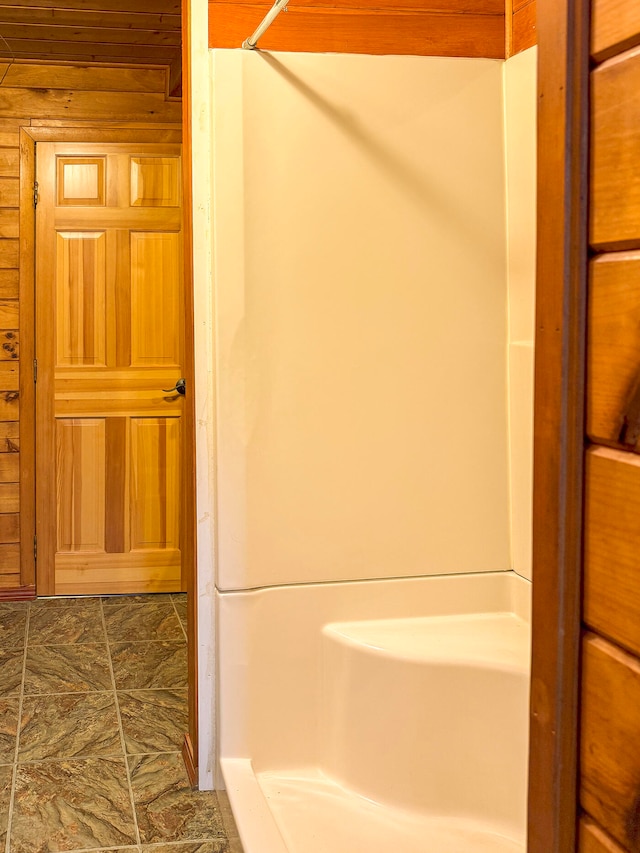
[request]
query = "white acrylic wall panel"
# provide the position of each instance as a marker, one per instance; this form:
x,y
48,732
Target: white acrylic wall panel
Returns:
x,y
360,287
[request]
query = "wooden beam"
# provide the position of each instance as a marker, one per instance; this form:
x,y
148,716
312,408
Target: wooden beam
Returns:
x,y
361,30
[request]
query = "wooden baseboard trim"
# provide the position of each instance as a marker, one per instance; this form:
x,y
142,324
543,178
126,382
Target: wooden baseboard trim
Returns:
x,y
190,761
18,593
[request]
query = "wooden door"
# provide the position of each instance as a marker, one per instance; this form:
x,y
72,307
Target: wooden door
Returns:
x,y
109,340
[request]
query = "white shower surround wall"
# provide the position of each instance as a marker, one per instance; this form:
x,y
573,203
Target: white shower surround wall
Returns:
x,y
361,354
360,317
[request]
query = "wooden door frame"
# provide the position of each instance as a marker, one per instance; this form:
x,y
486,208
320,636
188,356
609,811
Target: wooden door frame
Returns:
x,y
190,745
561,296
94,132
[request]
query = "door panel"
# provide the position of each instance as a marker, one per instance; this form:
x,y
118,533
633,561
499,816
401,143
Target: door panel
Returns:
x,y
155,299
80,298
155,492
110,338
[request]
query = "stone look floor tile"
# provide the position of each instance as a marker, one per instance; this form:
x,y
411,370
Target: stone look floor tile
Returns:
x,y
8,728
67,669
65,625
71,805
6,776
83,724
142,622
153,720
88,603
228,820
137,666
11,662
166,807
12,628
147,598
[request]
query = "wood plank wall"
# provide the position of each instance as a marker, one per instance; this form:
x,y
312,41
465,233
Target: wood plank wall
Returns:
x,y
473,28
41,94
610,712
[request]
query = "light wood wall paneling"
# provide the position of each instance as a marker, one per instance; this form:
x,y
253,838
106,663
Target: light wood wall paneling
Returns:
x,y
612,546
169,7
87,38
610,763
9,223
90,105
616,27
9,253
615,179
51,20
9,162
10,527
24,75
86,31
9,345
9,497
475,30
614,349
9,376
9,406
593,839
9,284
10,127
78,52
9,192
9,436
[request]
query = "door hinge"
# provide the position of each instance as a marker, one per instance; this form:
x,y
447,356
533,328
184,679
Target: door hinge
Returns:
x,y
35,369
36,194
35,549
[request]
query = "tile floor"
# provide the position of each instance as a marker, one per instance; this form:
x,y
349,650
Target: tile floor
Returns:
x,y
93,708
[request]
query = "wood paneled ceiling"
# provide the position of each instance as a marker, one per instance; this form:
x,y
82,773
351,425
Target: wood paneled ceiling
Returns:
x,y
82,31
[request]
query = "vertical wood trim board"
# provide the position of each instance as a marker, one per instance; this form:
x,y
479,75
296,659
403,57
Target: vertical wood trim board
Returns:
x,y
559,422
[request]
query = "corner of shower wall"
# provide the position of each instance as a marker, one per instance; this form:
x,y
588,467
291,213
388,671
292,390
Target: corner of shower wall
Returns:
x,y
520,79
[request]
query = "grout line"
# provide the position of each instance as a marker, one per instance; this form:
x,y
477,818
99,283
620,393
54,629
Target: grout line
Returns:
x,y
179,619
121,730
18,727
58,645
92,692
56,759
